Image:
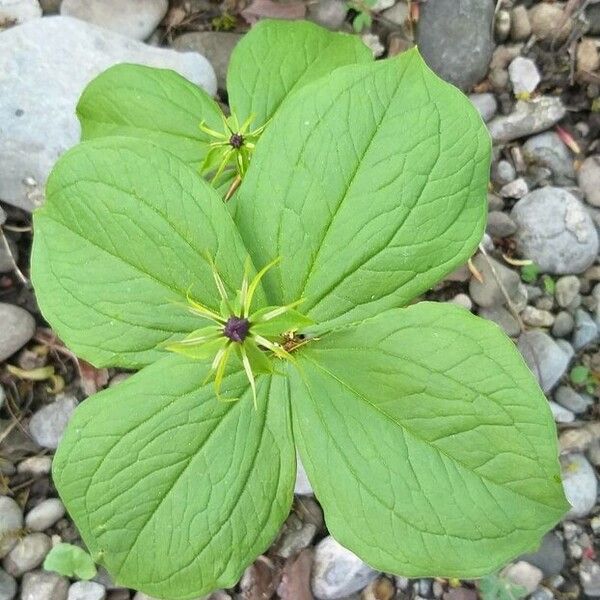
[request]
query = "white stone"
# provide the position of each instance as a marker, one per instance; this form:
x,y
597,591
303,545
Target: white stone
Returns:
x,y
45,514
133,18
44,66
11,523
524,75
337,572
580,485
27,554
560,413
15,12
35,465
86,590
49,423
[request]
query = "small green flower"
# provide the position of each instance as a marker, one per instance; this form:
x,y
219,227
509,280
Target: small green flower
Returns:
x,y
232,147
235,329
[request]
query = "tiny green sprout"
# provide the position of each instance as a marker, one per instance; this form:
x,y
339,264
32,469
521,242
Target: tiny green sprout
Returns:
x,y
237,330
530,272
232,147
498,587
70,561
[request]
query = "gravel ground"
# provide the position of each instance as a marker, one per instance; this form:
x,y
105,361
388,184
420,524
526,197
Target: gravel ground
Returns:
x,y
533,71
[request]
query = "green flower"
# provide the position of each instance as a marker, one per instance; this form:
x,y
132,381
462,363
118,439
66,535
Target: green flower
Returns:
x,y
237,330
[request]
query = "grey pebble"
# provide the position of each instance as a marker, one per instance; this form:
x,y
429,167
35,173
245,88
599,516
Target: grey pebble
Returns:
x,y
41,585
486,104
28,554
35,465
48,424
8,586
217,46
503,172
546,358
589,575
588,178
548,150
19,11
500,225
11,523
560,413
569,398
527,118
537,318
524,75
586,330
520,27
555,231
18,327
45,514
580,485
515,189
502,317
329,13
489,293
135,19
86,590
567,289
563,324
43,78
337,572
466,28
303,486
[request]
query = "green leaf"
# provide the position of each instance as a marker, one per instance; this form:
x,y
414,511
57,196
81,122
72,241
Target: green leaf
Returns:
x,y
157,105
427,441
174,492
276,58
122,237
70,561
381,193
290,320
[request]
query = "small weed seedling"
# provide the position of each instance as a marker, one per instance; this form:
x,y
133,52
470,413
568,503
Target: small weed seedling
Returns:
x,y
281,322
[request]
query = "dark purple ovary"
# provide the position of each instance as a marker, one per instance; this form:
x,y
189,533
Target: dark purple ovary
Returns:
x,y
236,329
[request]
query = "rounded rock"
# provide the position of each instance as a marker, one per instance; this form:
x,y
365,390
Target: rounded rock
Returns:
x,y
8,586
135,19
16,12
500,225
586,330
580,485
489,293
555,231
524,75
563,324
567,289
544,20
337,572
466,28
18,327
548,150
546,358
520,26
569,398
11,523
588,178
41,585
45,514
486,105
48,424
28,554
86,590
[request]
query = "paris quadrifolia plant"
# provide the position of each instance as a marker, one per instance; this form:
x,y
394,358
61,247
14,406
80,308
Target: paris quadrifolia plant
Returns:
x,y
283,322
